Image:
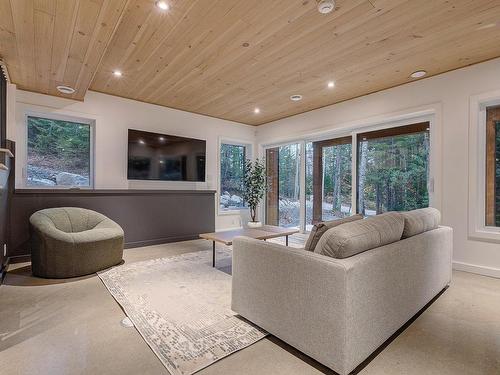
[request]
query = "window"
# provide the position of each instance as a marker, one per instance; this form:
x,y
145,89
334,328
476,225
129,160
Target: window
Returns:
x,y
232,165
59,153
393,169
283,175
332,179
483,169
368,172
493,166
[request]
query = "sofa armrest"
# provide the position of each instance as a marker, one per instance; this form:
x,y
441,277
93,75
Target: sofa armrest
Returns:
x,y
296,295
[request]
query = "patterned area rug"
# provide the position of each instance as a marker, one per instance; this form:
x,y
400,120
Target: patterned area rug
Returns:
x,y
181,307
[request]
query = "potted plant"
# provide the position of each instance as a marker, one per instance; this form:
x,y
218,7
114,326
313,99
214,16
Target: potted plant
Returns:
x,y
254,188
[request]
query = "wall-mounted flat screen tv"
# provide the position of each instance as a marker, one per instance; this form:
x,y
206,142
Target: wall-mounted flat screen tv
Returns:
x,y
153,156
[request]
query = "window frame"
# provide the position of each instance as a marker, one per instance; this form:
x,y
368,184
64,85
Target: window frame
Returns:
x,y
431,114
60,117
248,156
477,228
491,164
267,216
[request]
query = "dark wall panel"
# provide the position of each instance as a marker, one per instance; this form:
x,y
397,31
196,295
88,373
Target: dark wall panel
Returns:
x,y
6,187
148,217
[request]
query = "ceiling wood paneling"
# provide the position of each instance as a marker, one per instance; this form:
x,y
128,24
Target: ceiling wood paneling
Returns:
x,y
223,58
46,43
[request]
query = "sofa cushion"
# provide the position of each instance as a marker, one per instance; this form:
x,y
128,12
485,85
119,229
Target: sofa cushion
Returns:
x,y
420,221
353,238
319,229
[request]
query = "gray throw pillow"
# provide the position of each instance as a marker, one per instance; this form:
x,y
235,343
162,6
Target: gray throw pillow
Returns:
x,y
420,221
353,238
319,229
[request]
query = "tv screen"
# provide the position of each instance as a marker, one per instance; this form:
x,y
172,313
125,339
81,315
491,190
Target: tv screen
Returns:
x,y
153,156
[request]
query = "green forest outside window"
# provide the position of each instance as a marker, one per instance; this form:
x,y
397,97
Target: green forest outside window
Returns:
x,y
232,164
393,169
59,153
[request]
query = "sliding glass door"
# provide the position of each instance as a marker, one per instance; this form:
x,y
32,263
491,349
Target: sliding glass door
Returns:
x,y
393,169
283,174
331,179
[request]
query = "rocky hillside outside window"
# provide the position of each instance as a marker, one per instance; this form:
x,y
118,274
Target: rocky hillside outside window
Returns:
x,y
59,153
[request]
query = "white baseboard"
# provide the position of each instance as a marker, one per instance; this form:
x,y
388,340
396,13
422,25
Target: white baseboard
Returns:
x,y
474,268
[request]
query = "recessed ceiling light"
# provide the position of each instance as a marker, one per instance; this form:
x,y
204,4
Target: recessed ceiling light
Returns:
x,y
163,5
326,6
117,73
418,74
296,97
256,110
65,89
331,84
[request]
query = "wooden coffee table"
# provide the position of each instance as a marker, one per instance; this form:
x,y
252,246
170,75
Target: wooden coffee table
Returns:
x,y
264,232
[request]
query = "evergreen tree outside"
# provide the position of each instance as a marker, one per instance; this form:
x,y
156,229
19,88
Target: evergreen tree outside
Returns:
x,y
232,168
289,185
55,147
393,173
337,180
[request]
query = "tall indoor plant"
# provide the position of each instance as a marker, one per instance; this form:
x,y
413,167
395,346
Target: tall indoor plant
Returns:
x,y
254,187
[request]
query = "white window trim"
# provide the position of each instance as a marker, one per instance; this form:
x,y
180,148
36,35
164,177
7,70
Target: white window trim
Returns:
x,y
431,113
70,118
477,229
248,154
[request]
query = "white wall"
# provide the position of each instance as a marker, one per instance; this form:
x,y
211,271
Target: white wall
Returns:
x,y
448,96
113,117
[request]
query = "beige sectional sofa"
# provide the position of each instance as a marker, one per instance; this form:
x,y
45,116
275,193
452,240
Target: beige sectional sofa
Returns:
x,y
340,310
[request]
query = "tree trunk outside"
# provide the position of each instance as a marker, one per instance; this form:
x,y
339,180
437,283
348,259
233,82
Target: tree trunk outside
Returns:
x,y
337,209
362,176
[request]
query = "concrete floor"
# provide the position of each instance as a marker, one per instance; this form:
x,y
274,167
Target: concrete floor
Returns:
x,y
73,327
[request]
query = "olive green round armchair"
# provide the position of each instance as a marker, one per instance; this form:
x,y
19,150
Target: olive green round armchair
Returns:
x,y
71,241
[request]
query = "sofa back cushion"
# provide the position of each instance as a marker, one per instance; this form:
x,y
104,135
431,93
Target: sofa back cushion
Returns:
x,y
353,238
320,229
420,221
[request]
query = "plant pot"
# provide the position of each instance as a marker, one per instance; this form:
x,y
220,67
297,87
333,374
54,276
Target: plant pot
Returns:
x,y
254,224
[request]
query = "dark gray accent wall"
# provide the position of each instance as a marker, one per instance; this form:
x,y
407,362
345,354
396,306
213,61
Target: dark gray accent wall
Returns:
x,y
4,202
148,217
6,186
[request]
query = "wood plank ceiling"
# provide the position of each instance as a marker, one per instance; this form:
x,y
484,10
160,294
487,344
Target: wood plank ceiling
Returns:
x,y
224,58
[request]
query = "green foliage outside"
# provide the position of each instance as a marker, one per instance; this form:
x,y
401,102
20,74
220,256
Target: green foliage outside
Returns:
x,y
289,172
59,145
289,185
337,178
393,173
232,169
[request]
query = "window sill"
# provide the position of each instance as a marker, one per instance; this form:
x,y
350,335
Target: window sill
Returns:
x,y
486,234
230,212
55,187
